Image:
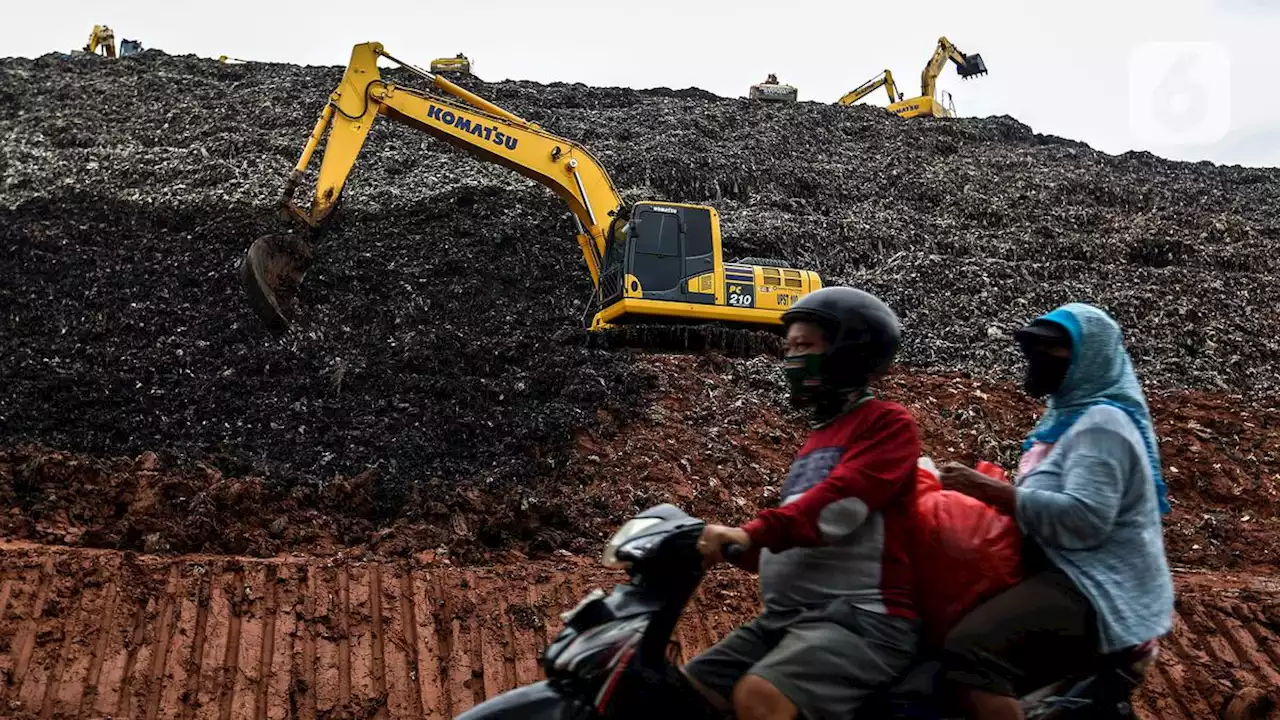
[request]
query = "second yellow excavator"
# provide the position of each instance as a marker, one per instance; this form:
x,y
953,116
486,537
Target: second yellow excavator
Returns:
x,y
927,103
883,80
102,41
652,263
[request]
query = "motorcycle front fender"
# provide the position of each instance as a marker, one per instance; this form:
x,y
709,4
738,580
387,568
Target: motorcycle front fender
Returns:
x,y
539,701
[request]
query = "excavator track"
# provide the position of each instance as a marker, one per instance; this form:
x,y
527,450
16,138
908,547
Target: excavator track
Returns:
x,y
704,338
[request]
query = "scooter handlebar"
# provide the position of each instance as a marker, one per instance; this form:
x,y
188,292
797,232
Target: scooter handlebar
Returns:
x,y
733,552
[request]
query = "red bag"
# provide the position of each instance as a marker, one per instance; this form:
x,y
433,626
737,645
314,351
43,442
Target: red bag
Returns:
x,y
965,551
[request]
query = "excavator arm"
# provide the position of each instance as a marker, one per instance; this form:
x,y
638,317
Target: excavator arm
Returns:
x,y
101,37
654,260
452,114
884,79
462,119
966,65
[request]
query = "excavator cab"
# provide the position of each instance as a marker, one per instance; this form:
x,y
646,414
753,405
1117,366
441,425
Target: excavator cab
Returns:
x,y
665,266
130,47
662,248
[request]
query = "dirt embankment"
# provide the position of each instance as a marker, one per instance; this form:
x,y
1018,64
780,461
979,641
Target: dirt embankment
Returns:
x,y
87,633
715,440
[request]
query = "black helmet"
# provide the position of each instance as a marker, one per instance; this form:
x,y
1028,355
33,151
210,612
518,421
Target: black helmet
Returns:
x,y
863,332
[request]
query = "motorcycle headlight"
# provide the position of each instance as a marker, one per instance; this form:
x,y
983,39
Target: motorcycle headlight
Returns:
x,y
631,529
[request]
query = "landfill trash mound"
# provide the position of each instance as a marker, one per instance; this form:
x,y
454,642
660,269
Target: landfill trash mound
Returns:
x,y
439,358
108,634
127,332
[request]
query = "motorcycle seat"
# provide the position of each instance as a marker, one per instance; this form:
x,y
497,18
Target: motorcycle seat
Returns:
x,y
918,694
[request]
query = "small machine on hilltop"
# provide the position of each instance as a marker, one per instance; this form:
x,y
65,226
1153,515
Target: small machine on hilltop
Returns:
x,y
459,63
773,91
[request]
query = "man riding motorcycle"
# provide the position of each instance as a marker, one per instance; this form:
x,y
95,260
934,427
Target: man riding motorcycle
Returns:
x,y
839,621
839,636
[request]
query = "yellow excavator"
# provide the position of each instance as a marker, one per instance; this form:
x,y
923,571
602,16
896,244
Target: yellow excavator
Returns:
x,y
883,80
927,104
652,263
102,41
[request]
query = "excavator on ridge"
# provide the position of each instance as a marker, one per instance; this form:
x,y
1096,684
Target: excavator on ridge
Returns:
x,y
883,80
927,103
655,263
102,41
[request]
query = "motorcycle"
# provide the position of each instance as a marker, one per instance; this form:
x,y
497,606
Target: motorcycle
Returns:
x,y
612,661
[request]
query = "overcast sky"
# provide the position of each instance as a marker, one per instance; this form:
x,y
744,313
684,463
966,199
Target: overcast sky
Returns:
x,y
1090,70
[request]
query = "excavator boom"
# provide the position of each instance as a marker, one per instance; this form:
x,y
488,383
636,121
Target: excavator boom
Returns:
x,y
884,79
460,118
101,38
966,65
664,262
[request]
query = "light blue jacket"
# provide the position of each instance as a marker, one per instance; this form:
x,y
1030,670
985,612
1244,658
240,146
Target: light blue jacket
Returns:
x,y
1094,503
1091,505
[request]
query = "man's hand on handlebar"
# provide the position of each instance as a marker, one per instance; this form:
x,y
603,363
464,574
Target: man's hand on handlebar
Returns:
x,y
716,541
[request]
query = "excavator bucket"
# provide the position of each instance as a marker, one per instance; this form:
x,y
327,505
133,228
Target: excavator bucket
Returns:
x,y
271,272
973,65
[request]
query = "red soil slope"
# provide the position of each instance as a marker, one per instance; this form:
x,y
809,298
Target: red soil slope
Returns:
x,y
90,633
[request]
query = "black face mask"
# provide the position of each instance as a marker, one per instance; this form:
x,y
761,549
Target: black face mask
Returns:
x,y
1045,373
807,381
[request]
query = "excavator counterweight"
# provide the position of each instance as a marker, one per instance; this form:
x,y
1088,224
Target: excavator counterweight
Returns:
x,y
653,264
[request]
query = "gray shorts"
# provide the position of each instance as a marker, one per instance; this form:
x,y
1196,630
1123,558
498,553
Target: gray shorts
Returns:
x,y
826,661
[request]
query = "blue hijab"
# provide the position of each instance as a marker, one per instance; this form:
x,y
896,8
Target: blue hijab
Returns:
x,y
1101,372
